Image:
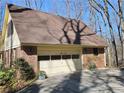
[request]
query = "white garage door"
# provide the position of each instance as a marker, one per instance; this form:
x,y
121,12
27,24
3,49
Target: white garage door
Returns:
x,y
60,63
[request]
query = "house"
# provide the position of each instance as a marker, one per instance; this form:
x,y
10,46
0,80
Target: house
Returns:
x,y
50,43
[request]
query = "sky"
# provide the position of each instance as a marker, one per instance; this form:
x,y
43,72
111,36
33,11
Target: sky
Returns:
x,y
123,7
50,6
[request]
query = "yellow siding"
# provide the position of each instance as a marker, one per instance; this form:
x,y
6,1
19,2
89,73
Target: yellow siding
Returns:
x,y
4,29
13,40
60,49
6,42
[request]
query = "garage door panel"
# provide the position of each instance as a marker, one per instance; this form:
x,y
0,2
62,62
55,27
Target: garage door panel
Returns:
x,y
69,64
66,66
76,61
74,65
60,61
73,62
78,64
57,63
58,70
44,64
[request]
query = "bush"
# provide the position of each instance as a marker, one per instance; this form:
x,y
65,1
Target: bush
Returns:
x,y
41,73
2,78
6,76
10,74
25,69
91,66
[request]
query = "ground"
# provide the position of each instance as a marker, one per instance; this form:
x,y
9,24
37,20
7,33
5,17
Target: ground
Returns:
x,y
100,81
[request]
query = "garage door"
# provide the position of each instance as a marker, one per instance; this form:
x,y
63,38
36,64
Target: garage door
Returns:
x,y
57,64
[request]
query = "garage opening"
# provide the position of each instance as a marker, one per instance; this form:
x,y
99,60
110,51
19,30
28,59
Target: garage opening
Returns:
x,y
57,64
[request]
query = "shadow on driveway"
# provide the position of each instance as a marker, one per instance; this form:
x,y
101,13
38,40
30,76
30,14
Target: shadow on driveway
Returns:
x,y
31,89
80,82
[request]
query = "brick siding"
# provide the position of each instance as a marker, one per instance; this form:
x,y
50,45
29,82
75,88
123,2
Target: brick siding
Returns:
x,y
29,53
89,56
22,52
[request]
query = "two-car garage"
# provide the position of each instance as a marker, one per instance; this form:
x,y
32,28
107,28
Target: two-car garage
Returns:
x,y
56,61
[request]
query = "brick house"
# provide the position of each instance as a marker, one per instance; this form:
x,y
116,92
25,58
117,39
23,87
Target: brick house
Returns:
x,y
50,43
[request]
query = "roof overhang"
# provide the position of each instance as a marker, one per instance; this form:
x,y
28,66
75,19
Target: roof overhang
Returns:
x,y
76,45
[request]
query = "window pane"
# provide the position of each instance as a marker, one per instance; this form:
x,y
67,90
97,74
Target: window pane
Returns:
x,y
55,57
85,50
95,51
66,56
31,50
75,56
43,58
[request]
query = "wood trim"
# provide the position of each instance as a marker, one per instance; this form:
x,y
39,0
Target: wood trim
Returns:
x,y
36,44
104,58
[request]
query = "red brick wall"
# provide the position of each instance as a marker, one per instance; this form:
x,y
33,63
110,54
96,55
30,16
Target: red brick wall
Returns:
x,y
9,57
29,53
89,56
6,59
22,52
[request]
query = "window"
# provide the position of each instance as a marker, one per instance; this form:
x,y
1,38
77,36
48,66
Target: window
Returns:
x,y
31,50
66,56
43,58
55,57
75,56
95,51
85,51
10,29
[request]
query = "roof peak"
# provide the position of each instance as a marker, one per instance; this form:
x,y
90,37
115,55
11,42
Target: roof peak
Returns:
x,y
16,8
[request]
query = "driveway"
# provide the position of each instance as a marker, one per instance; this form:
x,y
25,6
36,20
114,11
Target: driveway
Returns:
x,y
101,81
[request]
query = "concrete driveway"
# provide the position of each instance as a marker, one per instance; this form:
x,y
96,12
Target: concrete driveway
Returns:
x,y
102,81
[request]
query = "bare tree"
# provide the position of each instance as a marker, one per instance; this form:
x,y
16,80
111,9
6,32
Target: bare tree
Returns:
x,y
67,2
75,7
78,7
37,3
104,12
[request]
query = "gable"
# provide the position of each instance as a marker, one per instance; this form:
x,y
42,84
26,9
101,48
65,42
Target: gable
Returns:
x,y
4,28
9,37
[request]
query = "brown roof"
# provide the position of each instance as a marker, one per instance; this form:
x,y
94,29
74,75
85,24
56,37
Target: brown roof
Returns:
x,y
42,28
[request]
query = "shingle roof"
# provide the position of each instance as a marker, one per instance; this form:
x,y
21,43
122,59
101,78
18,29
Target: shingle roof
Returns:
x,y
42,28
